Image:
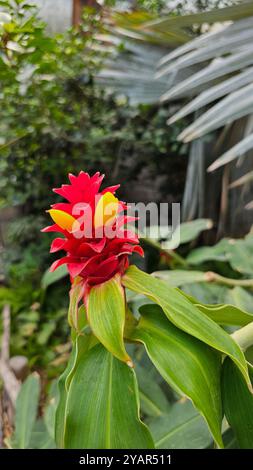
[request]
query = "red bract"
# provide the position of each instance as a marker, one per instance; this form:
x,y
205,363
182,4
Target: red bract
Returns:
x,y
91,225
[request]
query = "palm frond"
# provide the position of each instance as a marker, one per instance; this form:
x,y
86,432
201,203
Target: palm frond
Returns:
x,y
236,151
224,81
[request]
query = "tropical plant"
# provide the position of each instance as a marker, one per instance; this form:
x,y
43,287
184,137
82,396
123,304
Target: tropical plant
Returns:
x,y
221,91
67,121
31,432
189,70
182,337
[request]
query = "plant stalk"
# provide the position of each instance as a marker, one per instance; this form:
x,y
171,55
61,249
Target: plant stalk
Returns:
x,y
244,336
214,277
179,259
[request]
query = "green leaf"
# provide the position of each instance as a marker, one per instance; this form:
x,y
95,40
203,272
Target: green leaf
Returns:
x,y
106,316
191,230
181,428
241,298
45,332
238,404
187,364
185,315
178,277
224,314
51,277
236,252
102,409
26,411
206,293
50,409
80,345
75,295
188,232
229,439
153,400
40,438
217,252
240,255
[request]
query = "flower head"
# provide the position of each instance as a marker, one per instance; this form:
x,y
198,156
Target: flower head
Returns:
x,y
92,228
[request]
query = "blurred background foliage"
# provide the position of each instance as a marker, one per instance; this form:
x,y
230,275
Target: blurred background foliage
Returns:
x,y
90,98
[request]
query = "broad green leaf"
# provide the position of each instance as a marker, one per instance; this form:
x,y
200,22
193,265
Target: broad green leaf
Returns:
x,y
238,404
241,298
60,414
217,252
229,439
224,314
40,438
206,292
188,231
26,411
80,346
185,315
236,252
179,277
181,428
191,230
153,400
187,364
51,277
240,255
102,409
106,316
50,409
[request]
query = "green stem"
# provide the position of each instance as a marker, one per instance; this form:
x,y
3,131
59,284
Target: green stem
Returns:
x,y
214,277
244,336
179,259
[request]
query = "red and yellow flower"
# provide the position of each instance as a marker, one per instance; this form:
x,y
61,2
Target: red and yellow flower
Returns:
x,y
91,254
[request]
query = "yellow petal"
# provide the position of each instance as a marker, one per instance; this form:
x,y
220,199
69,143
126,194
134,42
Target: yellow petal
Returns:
x,y
63,219
106,210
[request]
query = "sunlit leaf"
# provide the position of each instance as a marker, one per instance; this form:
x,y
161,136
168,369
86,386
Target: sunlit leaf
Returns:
x,y
183,314
187,364
106,315
102,409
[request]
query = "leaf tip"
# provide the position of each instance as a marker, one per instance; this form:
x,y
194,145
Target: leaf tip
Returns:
x,y
130,363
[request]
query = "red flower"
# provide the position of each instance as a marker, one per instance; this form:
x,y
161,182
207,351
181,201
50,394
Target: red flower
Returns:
x,y
92,230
